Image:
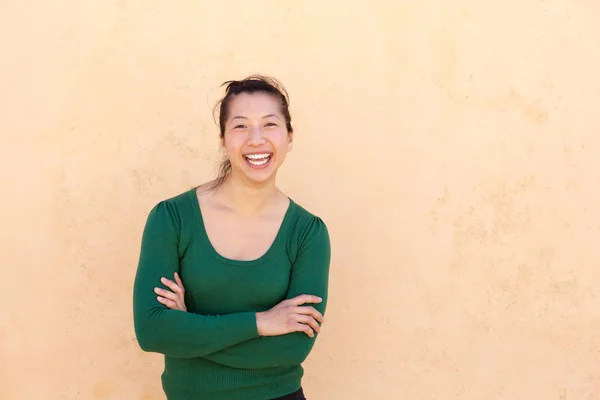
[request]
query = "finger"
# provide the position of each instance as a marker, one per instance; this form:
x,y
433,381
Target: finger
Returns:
x,y
310,321
305,328
166,294
172,285
173,305
169,303
178,280
307,310
305,298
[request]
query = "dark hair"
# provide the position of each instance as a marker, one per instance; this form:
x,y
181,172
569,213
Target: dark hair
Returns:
x,y
251,84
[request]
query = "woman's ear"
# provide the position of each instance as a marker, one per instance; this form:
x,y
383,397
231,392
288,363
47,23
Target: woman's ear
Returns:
x,y
222,149
290,141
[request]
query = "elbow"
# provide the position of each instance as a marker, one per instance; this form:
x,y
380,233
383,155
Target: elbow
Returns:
x,y
146,345
302,355
147,328
297,358
146,341
152,340
299,354
146,334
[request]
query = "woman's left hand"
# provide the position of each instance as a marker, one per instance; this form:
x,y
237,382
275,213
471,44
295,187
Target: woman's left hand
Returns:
x,y
174,299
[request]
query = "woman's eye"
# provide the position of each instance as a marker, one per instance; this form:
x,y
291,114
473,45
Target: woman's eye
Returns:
x,y
239,127
271,124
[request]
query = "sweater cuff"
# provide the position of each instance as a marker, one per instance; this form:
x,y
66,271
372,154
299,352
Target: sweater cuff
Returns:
x,y
247,325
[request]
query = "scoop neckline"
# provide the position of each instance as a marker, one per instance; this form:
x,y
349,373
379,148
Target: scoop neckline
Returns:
x,y
202,228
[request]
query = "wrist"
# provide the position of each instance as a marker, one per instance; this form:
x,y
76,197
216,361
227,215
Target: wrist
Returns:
x,y
259,316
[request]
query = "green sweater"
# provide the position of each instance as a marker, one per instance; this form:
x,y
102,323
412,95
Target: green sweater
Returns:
x,y
213,351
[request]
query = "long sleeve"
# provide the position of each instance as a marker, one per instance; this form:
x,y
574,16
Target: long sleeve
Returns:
x,y
172,332
310,275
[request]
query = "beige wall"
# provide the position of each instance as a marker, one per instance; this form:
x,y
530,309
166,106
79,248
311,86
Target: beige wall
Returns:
x,y
453,150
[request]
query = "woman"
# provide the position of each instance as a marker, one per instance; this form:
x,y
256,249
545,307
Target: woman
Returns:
x,y
232,279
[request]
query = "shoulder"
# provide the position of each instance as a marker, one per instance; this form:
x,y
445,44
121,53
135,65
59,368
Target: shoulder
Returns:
x,y
308,226
173,209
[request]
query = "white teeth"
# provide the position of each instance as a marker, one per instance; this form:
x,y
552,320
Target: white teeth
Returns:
x,y
258,159
262,162
257,156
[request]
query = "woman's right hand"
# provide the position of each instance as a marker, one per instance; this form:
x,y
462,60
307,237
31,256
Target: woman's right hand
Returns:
x,y
290,316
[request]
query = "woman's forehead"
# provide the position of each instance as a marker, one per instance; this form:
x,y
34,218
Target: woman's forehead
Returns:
x,y
254,105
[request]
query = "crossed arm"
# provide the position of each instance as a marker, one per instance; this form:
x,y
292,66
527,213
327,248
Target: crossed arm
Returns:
x,y
284,335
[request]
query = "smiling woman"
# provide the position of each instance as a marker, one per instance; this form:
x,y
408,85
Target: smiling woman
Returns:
x,y
232,279
254,114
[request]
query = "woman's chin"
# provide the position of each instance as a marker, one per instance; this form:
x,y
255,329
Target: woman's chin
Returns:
x,y
259,175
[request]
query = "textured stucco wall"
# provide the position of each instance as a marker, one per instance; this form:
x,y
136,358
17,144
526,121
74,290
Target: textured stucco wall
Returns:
x,y
452,147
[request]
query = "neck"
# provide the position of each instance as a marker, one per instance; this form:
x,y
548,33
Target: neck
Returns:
x,y
247,197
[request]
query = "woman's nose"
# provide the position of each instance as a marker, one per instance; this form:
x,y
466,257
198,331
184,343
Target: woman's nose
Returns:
x,y
255,135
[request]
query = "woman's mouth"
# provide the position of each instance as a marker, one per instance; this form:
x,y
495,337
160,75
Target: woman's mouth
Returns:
x,y
258,160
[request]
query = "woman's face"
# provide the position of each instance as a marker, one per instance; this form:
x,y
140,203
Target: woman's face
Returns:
x,y
256,138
